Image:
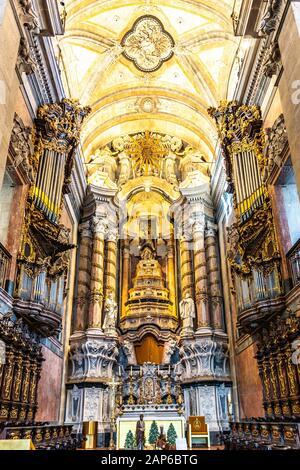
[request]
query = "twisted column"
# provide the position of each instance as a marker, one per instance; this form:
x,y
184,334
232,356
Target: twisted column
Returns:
x,y
171,271
125,275
214,278
201,287
97,274
186,267
83,276
111,262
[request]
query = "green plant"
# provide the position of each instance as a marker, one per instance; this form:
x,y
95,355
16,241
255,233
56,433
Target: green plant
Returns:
x,y
154,433
171,435
129,441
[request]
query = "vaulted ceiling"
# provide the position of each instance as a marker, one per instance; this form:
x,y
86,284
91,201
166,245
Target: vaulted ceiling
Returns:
x,y
107,55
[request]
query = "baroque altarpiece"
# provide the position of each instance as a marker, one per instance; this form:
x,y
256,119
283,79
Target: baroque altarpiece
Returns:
x,y
148,318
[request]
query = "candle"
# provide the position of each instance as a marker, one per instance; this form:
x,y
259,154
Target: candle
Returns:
x,y
131,371
158,368
120,371
169,369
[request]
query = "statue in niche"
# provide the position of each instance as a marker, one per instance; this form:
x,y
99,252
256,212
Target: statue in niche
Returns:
x,y
102,168
129,352
170,169
120,144
125,168
111,312
147,254
188,314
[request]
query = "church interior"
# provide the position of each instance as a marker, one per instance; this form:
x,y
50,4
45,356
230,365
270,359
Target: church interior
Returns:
x,y
150,224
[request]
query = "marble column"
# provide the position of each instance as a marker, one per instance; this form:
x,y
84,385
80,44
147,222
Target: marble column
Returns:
x,y
83,276
171,271
214,277
186,267
125,275
201,285
97,274
111,262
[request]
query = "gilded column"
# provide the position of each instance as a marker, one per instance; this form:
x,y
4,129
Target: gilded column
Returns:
x,y
125,275
186,267
171,271
97,274
201,287
111,262
214,278
83,276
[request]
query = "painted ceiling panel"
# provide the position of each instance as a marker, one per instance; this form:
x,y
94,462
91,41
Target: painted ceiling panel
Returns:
x,y
190,46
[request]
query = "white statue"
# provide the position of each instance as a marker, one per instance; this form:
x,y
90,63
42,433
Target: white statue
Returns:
x,y
111,312
169,350
188,314
125,168
130,352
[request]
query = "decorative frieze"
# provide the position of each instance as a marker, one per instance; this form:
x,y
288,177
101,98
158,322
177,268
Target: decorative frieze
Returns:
x,y
21,149
93,359
276,148
271,18
202,357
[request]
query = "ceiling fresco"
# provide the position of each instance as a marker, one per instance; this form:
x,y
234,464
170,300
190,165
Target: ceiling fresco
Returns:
x,y
146,65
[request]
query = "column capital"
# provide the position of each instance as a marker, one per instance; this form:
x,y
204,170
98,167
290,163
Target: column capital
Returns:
x,y
99,225
199,226
211,230
112,234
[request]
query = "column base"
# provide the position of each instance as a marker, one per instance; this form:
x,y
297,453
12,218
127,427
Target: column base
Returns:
x,y
187,333
220,332
204,330
110,333
94,331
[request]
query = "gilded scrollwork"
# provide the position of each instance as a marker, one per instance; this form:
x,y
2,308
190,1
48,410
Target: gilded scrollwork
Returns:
x,y
252,237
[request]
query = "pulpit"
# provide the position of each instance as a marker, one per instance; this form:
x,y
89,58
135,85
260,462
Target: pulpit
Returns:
x,y
198,431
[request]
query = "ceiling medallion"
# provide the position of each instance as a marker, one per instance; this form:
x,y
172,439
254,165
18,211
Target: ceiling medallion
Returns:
x,y
148,45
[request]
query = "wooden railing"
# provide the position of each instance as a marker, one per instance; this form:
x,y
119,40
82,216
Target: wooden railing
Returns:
x,y
260,434
5,261
44,436
293,258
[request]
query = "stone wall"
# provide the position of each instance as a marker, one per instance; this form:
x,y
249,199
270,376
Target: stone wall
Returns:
x,y
249,384
49,387
9,83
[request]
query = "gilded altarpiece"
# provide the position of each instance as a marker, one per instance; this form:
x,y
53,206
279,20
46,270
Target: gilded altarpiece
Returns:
x,y
148,315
